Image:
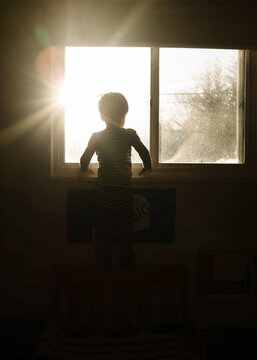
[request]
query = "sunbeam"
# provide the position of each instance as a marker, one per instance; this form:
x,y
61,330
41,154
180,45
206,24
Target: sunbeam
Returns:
x,y
47,105
129,23
18,129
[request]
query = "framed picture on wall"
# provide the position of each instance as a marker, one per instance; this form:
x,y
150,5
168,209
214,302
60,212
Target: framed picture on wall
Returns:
x,y
154,215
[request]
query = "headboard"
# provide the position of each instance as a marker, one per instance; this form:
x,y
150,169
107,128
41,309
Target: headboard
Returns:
x,y
91,298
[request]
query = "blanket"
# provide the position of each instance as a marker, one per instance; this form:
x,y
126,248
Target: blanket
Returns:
x,y
143,345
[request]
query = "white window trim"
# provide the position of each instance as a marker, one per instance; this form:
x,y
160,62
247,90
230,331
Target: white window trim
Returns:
x,y
161,171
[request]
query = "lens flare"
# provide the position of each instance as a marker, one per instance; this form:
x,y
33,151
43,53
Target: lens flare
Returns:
x,y
62,95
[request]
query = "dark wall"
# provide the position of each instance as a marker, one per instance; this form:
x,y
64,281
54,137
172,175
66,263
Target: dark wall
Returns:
x,y
209,214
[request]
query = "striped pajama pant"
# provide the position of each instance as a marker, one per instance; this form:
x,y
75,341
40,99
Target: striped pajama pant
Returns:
x,y
114,219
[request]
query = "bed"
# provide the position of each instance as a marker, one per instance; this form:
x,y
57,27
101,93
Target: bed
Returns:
x,y
139,313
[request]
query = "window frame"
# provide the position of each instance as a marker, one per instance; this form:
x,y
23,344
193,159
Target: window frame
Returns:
x,y
168,171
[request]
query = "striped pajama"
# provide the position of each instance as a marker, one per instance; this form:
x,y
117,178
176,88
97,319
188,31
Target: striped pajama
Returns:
x,y
114,203
114,218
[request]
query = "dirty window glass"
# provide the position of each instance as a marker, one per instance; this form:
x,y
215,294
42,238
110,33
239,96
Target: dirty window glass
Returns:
x,y
198,102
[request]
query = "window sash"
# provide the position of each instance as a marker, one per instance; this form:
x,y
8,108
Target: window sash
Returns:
x,y
240,119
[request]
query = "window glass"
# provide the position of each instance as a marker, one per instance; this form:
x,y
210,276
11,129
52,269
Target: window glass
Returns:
x,y
198,102
93,71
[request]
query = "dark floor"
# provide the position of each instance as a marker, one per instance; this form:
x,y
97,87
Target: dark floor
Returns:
x,y
230,343
18,338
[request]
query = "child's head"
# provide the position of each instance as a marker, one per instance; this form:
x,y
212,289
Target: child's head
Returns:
x,y
113,108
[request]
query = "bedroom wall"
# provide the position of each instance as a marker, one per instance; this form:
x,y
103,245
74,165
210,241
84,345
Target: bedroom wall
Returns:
x,y
209,214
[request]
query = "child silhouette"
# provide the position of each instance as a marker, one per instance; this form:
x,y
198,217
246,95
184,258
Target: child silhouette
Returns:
x,y
114,201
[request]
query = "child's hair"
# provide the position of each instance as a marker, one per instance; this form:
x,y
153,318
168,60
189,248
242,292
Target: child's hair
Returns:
x,y
114,106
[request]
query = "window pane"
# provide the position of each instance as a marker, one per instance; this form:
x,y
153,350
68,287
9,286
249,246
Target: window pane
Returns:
x,y
198,106
92,71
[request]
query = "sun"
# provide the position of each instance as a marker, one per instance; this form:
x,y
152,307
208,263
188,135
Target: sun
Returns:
x,y
62,95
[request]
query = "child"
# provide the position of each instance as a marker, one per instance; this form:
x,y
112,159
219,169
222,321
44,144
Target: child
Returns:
x,y
114,201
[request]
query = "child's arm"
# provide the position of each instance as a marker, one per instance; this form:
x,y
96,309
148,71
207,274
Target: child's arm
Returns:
x,y
142,151
143,171
88,153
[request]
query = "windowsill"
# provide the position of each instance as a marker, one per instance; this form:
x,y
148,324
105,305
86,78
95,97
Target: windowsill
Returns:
x,y
175,173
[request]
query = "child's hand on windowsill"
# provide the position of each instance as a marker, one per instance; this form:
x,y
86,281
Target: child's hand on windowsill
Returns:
x,y
144,172
91,170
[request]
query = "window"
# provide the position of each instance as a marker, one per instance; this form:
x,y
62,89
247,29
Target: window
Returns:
x,y
187,105
199,97
90,72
